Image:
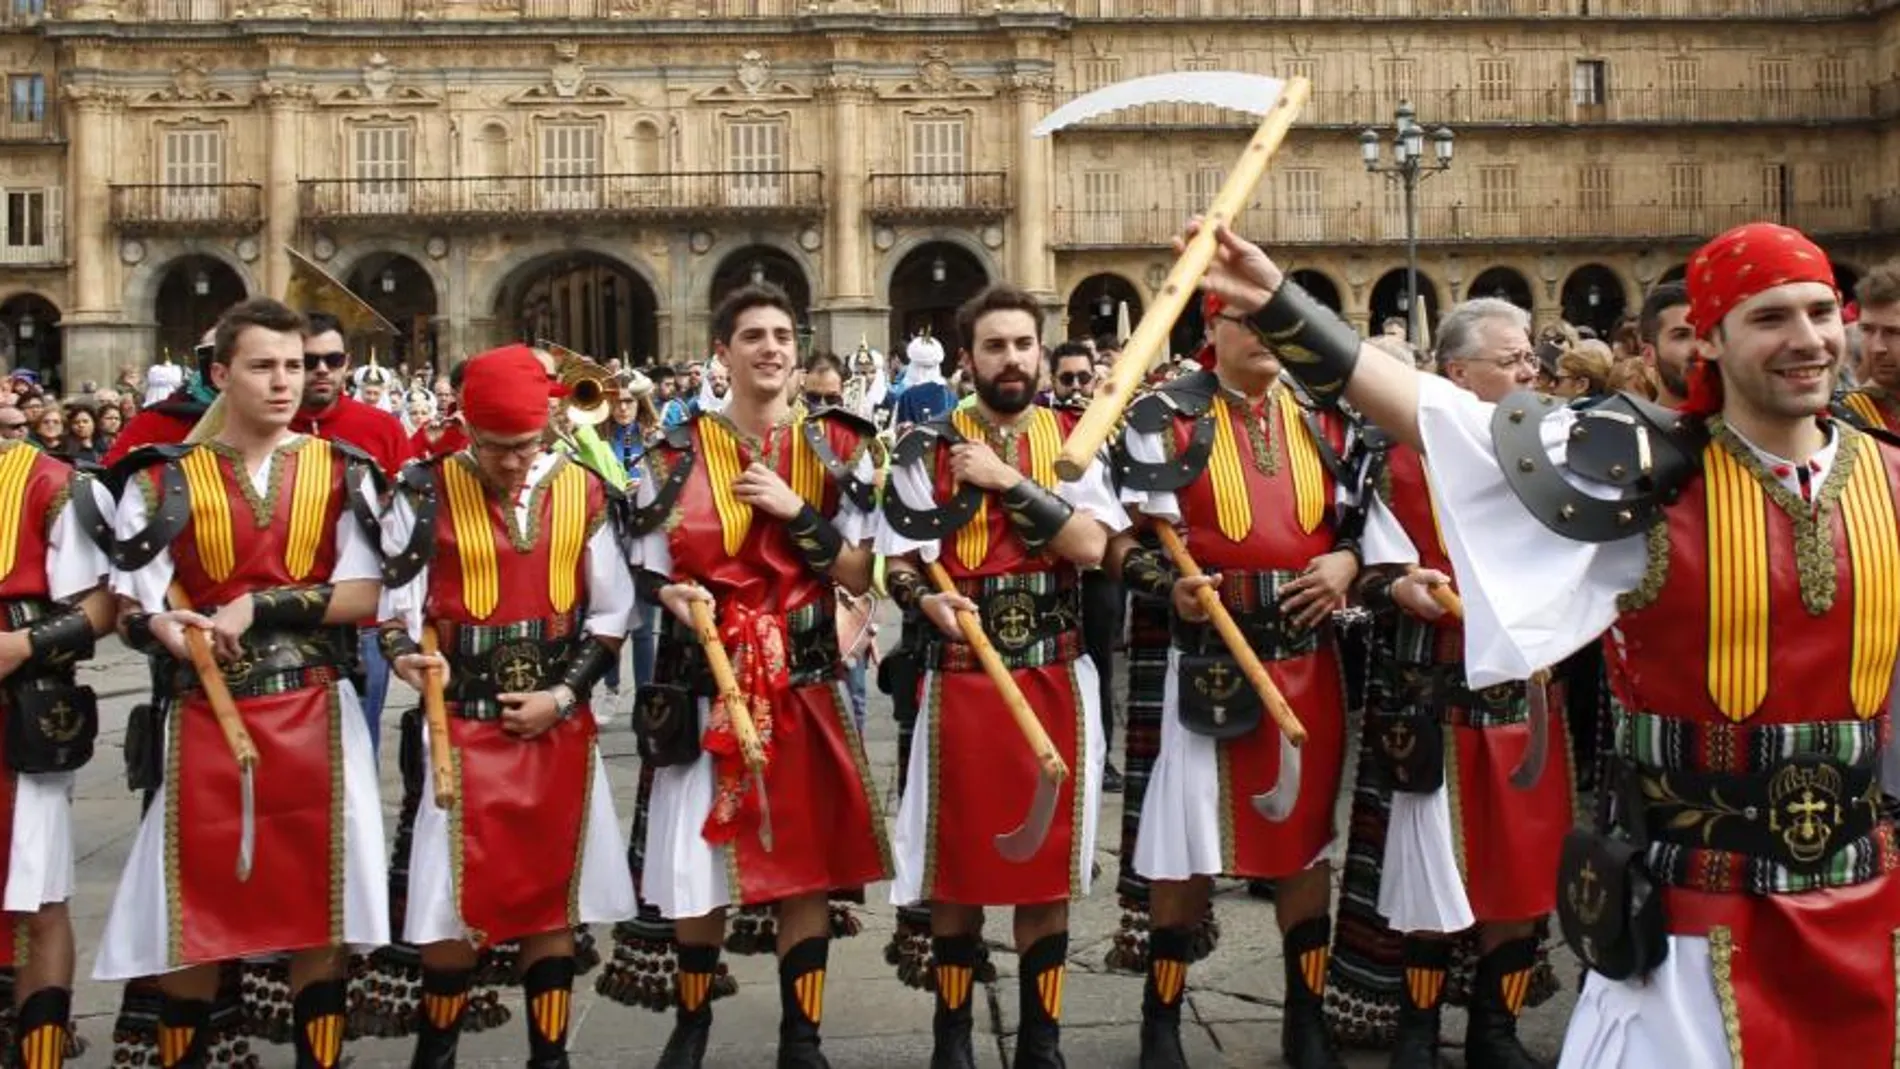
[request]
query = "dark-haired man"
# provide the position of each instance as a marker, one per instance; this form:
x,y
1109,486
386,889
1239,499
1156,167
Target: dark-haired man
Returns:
x,y
269,534
1013,538
1877,402
757,514
1669,342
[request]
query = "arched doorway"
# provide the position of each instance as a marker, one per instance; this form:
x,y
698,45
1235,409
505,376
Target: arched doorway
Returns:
x,y
1674,274
1593,297
928,287
1190,329
1503,283
584,301
1095,307
1391,300
1321,287
765,264
194,292
29,338
400,289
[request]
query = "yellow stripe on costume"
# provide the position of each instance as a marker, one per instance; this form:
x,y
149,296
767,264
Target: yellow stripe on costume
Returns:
x,y
309,501
210,513
721,451
1045,441
568,533
15,466
808,473
1738,585
474,539
1233,510
973,538
1309,477
1867,511
1864,407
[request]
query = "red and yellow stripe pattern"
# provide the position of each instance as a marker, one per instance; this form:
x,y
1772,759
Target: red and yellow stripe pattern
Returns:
x,y
1313,969
1309,478
1044,435
1170,979
568,534
210,513
694,989
1516,988
953,985
15,465
325,1036
549,1012
474,539
174,1042
1424,986
309,504
1867,510
1049,990
809,990
1738,585
44,1048
444,1012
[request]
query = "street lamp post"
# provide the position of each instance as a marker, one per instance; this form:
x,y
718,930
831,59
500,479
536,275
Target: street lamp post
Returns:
x,y
1408,168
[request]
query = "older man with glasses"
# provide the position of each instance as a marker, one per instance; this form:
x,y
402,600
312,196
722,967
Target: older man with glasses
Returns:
x,y
12,424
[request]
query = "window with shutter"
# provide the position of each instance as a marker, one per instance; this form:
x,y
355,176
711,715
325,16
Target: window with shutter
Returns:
x,y
1497,199
1595,192
193,173
383,169
1774,192
25,222
1837,185
938,164
1102,207
26,97
1496,80
1589,83
1302,220
1830,78
755,158
1398,80
570,167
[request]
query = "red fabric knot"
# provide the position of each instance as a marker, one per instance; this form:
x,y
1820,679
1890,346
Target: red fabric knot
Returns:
x,y
755,643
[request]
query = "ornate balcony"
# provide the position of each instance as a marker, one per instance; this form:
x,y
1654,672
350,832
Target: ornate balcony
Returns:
x,y
19,130
1470,9
1534,224
969,196
486,201
216,208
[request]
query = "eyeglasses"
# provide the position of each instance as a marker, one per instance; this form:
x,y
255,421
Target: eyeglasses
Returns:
x,y
12,428
1512,362
527,450
824,400
1075,378
333,361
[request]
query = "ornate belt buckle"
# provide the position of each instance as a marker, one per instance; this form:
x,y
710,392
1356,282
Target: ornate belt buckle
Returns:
x,y
1010,617
61,723
516,666
1807,809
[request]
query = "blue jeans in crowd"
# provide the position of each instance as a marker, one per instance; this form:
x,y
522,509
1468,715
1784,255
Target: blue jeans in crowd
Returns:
x,y
375,684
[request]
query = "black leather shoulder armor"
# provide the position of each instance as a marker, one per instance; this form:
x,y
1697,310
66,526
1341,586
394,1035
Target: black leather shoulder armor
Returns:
x,y
174,507
1190,396
356,466
96,524
120,472
417,485
862,493
918,445
1638,447
636,521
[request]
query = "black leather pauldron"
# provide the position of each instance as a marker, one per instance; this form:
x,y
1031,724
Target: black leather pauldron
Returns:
x,y
862,493
636,521
168,521
416,484
1191,396
923,525
1640,448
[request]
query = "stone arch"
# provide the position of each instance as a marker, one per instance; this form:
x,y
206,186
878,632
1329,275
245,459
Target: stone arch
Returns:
x,y
142,282
30,337
902,248
1085,316
1505,282
347,261
1595,295
707,264
1324,287
632,321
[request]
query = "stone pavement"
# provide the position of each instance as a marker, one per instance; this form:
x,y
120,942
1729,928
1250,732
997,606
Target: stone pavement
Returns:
x,y
871,1021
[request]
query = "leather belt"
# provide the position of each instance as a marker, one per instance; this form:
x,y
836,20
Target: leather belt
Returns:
x,y
276,662
1796,812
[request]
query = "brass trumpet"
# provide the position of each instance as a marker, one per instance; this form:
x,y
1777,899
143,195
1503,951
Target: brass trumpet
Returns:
x,y
590,387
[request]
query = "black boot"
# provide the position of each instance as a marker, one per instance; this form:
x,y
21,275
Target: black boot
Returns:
x,y
692,1017
956,990
316,1017
184,1033
1498,989
548,989
801,999
1045,965
1161,998
1304,1040
444,1004
1426,963
39,1034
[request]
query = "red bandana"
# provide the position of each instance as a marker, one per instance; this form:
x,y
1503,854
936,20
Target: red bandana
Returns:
x,y
1211,306
1732,268
505,392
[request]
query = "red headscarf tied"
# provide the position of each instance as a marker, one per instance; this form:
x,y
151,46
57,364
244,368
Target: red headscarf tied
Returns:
x,y
505,392
1211,306
1732,268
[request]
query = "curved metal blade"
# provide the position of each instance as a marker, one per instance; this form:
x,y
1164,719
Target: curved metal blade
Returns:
x,y
1021,845
247,823
765,810
1254,94
1277,804
1537,751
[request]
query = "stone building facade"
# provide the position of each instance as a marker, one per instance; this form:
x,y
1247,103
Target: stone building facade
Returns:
x,y
599,172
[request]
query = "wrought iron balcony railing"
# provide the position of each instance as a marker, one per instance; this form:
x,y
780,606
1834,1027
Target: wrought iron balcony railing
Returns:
x,y
580,196
210,208
957,195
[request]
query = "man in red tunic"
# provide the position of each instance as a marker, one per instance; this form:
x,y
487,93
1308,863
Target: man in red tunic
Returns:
x,y
269,533
173,417
327,412
1742,556
1013,538
54,601
1465,845
1230,455
758,514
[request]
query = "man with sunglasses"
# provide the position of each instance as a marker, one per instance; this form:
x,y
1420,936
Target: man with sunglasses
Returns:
x,y
327,412
12,424
503,550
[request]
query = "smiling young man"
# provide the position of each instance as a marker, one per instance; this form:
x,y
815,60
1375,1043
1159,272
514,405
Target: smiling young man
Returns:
x,y
1013,539
269,535
756,513
1230,456
1745,583
505,550
1464,845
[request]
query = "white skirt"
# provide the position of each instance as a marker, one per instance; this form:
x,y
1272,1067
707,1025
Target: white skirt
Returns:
x,y
134,942
606,891
40,863
910,838
1420,888
1180,835
1670,1020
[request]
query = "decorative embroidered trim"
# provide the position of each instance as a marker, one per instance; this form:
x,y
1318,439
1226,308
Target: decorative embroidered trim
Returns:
x,y
525,539
580,844
1722,964
174,873
61,498
1813,541
1737,522
1229,841
1864,406
15,466
262,505
1867,512
210,512
1896,1006
1044,435
1455,802
458,829
474,537
1079,785
1655,570
309,507
808,474
854,742
933,702
338,840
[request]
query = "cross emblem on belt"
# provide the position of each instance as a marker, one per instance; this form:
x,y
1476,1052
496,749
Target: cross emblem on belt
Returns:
x,y
1014,619
1585,897
1805,812
1217,675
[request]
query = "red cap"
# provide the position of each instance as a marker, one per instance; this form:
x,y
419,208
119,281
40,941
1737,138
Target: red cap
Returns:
x,y
1211,306
505,392
1732,268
